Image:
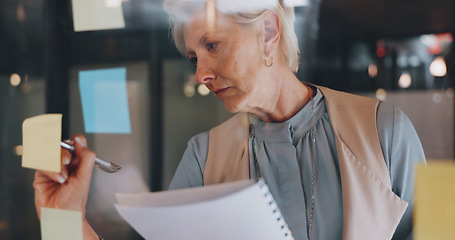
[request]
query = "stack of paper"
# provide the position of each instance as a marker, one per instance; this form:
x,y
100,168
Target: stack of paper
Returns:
x,y
242,210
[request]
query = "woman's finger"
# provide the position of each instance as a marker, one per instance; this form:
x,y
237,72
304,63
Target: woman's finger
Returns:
x,y
66,154
86,157
60,177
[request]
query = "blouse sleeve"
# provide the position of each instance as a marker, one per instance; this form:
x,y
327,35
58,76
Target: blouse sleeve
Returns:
x,y
190,169
402,152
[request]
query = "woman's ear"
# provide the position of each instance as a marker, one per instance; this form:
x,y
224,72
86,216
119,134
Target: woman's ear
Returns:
x,y
272,32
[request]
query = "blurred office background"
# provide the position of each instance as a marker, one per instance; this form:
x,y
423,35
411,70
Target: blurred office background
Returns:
x,y
396,50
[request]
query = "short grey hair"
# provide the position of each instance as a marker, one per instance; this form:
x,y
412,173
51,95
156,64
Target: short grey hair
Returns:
x,y
180,12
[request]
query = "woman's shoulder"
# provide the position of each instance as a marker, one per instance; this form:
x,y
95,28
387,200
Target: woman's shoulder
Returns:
x,y
397,133
200,138
191,167
199,143
392,120
389,114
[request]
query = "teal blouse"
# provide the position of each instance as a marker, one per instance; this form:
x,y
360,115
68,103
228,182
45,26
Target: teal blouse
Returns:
x,y
284,154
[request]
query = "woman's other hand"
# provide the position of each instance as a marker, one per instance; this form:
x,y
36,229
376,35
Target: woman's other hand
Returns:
x,y
68,189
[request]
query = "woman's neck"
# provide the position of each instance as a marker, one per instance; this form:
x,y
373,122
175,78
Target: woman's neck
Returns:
x,y
291,97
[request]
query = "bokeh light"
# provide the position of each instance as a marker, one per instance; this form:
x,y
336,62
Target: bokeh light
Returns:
x,y
18,150
381,94
15,79
437,97
189,90
405,80
203,90
372,70
438,67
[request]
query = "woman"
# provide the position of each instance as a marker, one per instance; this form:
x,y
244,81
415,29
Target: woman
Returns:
x,y
338,165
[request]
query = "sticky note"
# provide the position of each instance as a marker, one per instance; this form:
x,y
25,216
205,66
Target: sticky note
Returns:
x,y
105,101
232,6
296,3
434,210
57,224
41,136
89,15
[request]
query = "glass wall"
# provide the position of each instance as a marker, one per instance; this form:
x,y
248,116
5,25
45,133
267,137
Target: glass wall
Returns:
x,y
42,58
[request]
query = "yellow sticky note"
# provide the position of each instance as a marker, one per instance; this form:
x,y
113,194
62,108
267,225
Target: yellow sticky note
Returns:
x,y
89,15
41,136
57,224
434,210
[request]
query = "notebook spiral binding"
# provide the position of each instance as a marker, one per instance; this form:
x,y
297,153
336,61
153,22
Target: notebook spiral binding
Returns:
x,y
287,234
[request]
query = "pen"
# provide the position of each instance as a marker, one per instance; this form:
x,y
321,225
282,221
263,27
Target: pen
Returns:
x,y
104,165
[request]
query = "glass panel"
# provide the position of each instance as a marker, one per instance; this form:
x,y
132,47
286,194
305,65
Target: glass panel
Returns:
x,y
374,48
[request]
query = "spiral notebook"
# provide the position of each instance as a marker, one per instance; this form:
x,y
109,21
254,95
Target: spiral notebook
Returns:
x,y
237,210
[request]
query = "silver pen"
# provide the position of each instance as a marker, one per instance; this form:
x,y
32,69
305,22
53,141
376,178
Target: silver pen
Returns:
x,y
104,165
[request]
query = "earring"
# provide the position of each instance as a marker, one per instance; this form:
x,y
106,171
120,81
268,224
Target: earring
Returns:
x,y
269,61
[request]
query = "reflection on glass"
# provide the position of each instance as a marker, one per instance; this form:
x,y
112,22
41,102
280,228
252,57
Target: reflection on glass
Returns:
x,y
20,13
211,14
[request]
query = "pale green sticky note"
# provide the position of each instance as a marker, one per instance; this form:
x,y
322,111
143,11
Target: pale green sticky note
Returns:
x,y
57,224
89,15
41,136
434,210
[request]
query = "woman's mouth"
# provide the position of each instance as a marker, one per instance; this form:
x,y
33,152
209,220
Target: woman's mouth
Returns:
x,y
220,91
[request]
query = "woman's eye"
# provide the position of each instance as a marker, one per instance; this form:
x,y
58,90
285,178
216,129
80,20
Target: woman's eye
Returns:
x,y
193,59
211,46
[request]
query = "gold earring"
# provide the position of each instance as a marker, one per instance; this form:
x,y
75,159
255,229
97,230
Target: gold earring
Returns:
x,y
268,61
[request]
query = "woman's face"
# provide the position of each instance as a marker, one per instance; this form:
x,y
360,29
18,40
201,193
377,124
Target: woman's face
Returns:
x,y
230,61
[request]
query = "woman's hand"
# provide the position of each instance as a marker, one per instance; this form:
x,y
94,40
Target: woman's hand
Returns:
x,y
68,189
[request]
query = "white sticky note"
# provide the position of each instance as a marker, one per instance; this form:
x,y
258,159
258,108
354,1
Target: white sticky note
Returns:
x,y
89,15
233,6
296,3
57,224
434,210
41,136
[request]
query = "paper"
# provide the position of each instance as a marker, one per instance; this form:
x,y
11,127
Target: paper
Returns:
x,y
41,136
239,210
434,210
105,101
57,224
91,15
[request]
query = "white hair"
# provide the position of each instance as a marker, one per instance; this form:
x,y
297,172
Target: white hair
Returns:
x,y
180,12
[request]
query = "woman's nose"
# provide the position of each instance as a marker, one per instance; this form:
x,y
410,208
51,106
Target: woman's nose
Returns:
x,y
203,73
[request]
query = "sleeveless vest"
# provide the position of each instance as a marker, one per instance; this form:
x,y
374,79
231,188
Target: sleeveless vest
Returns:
x,y
370,209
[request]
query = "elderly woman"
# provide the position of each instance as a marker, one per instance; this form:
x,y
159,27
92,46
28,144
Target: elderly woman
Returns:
x,y
338,165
